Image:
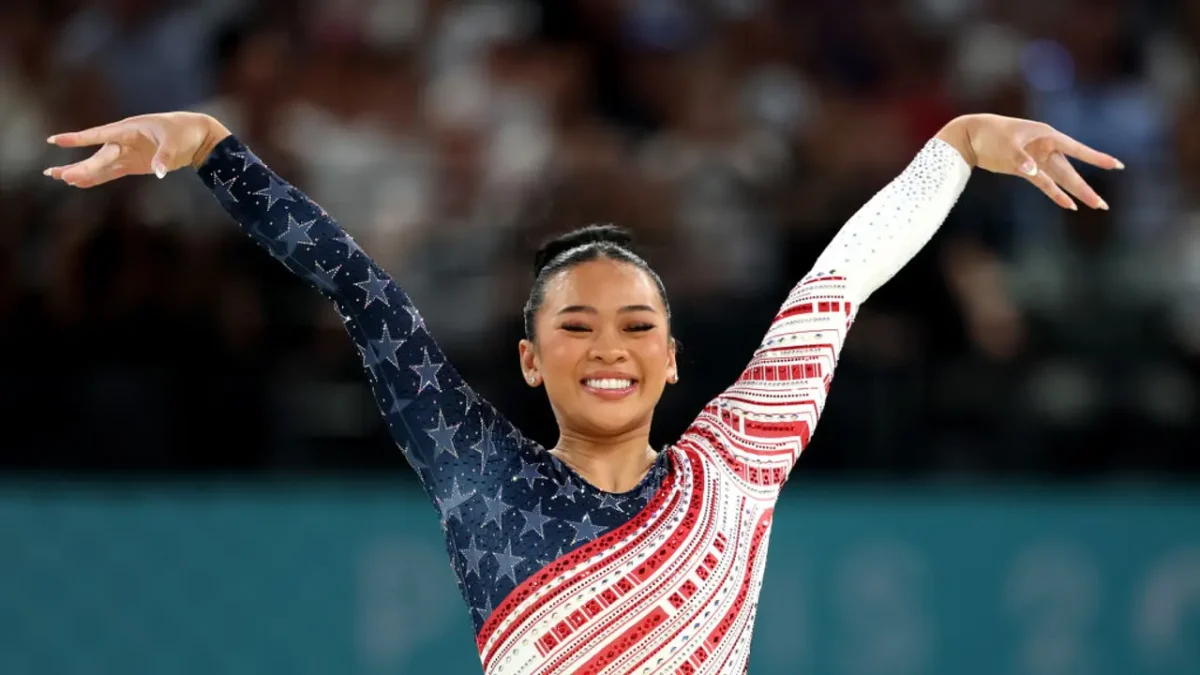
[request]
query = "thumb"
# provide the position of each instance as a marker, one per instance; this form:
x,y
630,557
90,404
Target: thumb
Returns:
x,y
162,161
1025,164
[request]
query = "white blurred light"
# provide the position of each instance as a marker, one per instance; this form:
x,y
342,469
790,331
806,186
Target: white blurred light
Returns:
x,y
988,55
459,97
777,97
388,23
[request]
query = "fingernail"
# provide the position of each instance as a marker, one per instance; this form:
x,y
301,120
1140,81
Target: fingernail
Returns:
x,y
46,172
1029,168
1072,206
1103,204
159,171
50,140
1120,164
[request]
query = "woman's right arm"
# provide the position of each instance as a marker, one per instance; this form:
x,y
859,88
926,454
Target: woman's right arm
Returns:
x,y
437,419
447,433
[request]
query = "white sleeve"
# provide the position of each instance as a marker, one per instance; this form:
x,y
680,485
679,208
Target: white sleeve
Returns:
x,y
891,228
757,428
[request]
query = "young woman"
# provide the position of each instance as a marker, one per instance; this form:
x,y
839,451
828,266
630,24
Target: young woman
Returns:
x,y
600,554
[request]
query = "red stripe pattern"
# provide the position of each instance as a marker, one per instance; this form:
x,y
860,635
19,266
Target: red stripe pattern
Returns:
x,y
674,591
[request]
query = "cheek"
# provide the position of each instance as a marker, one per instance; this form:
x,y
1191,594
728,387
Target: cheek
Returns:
x,y
560,356
653,357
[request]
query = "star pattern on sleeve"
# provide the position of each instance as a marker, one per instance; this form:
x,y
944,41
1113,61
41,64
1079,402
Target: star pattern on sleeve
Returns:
x,y
385,347
399,403
274,191
508,563
470,397
352,246
247,158
443,436
484,446
374,286
326,280
473,556
496,508
451,503
370,359
418,321
428,372
224,190
504,505
296,235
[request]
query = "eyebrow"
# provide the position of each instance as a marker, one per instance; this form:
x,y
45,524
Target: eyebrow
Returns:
x,y
587,309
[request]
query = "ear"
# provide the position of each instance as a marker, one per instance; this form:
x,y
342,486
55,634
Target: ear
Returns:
x,y
672,365
529,365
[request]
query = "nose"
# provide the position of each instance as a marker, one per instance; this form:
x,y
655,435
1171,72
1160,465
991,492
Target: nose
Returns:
x,y
607,348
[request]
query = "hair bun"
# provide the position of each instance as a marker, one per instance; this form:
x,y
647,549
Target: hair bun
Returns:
x,y
591,234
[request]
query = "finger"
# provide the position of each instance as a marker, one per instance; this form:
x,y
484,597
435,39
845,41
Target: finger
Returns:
x,y
1060,170
1073,148
105,175
93,170
163,160
1047,185
1024,162
56,172
108,133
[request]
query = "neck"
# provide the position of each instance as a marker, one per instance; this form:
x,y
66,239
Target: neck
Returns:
x,y
614,464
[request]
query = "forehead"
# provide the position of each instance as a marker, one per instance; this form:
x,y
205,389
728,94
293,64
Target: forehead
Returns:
x,y
603,284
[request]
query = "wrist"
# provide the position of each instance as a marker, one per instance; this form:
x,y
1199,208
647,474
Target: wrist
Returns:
x,y
957,134
214,133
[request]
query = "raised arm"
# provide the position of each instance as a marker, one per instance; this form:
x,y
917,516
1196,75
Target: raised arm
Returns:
x,y
446,432
758,427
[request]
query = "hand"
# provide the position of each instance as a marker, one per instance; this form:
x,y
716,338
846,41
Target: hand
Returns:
x,y
139,145
1032,150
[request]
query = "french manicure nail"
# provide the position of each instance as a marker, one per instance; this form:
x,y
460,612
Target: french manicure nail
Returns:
x,y
1103,204
1120,164
1072,206
159,171
1029,168
50,140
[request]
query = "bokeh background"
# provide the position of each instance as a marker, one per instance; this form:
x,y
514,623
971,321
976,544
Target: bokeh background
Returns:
x,y
196,479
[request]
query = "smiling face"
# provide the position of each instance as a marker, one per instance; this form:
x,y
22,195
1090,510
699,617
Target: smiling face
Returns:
x,y
602,348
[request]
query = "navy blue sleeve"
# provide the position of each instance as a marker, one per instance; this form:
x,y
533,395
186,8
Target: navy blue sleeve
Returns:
x,y
449,436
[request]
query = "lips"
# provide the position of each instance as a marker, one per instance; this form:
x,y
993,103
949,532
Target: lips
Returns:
x,y
609,386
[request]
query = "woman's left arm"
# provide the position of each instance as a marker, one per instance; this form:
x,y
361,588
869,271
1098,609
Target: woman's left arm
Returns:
x,y
758,427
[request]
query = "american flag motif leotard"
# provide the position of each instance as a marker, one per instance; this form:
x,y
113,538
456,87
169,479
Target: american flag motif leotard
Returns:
x,y
559,576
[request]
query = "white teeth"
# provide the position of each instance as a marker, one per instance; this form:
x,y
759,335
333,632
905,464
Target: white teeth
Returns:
x,y
609,384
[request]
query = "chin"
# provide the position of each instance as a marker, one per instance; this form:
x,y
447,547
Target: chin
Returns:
x,y
614,422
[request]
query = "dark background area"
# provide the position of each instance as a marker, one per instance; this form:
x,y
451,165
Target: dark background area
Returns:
x,y
140,332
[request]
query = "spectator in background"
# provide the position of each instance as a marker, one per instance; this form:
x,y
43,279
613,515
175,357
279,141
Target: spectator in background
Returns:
x,y
452,136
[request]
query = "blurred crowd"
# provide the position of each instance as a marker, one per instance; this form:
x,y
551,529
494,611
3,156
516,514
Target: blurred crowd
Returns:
x,y
140,330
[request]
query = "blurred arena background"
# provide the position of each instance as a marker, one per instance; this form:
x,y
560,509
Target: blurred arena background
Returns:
x,y
196,480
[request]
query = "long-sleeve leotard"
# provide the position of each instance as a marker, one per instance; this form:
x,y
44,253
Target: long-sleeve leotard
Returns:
x,y
560,576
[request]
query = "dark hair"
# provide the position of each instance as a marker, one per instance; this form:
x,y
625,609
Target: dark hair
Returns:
x,y
578,246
